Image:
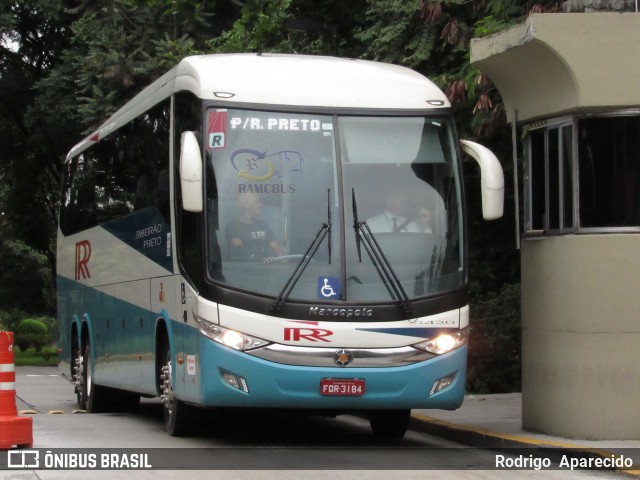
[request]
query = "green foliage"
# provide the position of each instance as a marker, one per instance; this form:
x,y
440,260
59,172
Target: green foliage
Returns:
x,y
9,319
119,46
489,25
32,140
52,327
48,353
495,348
31,333
259,29
25,278
47,356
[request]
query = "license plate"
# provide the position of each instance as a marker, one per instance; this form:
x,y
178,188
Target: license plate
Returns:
x,y
342,387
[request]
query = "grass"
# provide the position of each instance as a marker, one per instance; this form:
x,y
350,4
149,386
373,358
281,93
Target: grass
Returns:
x,y
48,356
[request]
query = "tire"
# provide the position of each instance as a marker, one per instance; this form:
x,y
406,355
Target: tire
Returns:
x,y
78,378
389,424
94,396
178,416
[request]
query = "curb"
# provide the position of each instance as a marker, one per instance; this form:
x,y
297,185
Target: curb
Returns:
x,y
490,440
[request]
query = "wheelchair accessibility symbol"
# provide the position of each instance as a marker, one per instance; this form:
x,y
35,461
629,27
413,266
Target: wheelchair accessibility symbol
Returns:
x,y
328,288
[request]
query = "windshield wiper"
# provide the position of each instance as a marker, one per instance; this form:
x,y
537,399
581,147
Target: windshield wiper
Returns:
x,y
365,236
306,258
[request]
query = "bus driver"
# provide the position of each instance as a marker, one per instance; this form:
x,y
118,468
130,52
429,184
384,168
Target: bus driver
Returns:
x,y
394,218
249,237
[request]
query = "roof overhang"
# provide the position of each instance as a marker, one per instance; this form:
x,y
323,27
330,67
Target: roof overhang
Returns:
x,y
558,63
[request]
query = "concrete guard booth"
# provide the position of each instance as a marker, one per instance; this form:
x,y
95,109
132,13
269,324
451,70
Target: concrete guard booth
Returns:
x,y
571,84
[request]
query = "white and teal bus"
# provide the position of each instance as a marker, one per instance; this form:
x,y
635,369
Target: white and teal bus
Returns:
x,y
258,230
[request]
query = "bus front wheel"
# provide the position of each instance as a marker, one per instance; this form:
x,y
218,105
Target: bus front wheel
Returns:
x,y
177,414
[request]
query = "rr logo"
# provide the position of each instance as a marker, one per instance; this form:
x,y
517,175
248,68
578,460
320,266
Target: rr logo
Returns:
x,y
295,334
83,254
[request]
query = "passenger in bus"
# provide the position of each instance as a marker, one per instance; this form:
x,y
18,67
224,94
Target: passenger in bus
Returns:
x,y
249,237
395,216
423,218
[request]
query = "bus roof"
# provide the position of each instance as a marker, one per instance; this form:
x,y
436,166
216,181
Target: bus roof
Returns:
x,y
284,80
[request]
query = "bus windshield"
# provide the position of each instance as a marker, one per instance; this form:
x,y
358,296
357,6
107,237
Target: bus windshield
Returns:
x,y
378,198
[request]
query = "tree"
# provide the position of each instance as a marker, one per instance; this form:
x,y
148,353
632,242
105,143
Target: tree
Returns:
x,y
117,47
64,67
32,137
32,332
294,26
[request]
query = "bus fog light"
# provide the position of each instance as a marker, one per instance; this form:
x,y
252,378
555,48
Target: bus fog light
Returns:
x,y
445,342
235,381
442,383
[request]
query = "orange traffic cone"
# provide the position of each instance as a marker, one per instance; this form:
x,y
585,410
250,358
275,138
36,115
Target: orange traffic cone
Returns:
x,y
14,430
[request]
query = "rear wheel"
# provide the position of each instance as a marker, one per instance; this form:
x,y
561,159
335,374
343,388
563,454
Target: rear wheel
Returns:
x,y
78,378
93,396
96,398
389,424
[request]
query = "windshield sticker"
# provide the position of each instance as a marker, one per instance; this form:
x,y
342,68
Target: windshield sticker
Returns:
x,y
256,166
259,166
278,124
217,130
328,288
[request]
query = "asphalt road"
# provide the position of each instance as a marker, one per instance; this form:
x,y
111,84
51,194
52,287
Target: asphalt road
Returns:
x,y
240,444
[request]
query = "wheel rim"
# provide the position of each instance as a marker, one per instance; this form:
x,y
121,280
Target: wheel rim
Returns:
x,y
167,390
78,376
87,371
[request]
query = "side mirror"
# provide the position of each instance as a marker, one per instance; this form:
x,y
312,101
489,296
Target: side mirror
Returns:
x,y
492,179
191,172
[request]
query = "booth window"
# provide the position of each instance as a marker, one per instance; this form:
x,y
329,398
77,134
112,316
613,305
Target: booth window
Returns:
x,y
550,179
602,192
609,180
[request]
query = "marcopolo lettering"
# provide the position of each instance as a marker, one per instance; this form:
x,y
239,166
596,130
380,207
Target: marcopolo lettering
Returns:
x,y
340,312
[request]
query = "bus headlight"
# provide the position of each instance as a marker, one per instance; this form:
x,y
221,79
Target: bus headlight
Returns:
x,y
445,342
229,338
